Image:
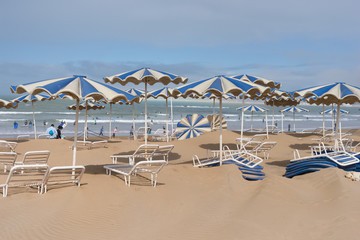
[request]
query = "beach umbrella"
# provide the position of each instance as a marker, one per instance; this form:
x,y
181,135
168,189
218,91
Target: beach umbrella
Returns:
x,y
193,125
258,80
334,93
77,87
147,76
87,106
252,109
139,93
293,110
163,93
32,98
219,86
333,112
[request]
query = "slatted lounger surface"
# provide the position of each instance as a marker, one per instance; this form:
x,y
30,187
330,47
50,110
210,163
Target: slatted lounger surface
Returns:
x,y
144,152
9,146
7,159
162,153
63,175
34,157
152,167
25,176
90,144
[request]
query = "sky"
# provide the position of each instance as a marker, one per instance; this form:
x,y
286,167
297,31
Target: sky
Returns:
x,y
298,43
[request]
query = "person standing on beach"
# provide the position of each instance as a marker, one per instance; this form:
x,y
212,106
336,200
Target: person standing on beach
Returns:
x,y
52,131
114,132
101,131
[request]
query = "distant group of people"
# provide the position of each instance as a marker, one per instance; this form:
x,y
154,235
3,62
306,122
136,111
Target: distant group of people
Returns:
x,y
55,133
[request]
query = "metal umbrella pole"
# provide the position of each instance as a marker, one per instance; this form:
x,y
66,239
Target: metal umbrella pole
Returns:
x,y
32,103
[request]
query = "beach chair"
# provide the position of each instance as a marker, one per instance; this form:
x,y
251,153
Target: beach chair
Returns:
x,y
7,159
152,167
22,137
34,157
163,152
264,148
63,175
89,144
159,135
145,151
25,176
5,145
141,132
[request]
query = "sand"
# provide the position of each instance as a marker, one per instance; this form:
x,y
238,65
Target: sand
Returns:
x,y
188,203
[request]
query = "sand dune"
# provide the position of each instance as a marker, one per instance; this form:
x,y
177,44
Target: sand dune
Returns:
x,y
188,203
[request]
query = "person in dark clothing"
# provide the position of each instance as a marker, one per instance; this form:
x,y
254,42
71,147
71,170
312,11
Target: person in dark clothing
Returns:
x,y
58,130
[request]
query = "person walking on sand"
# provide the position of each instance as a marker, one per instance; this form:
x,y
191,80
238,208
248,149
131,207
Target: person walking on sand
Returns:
x,y
115,131
101,131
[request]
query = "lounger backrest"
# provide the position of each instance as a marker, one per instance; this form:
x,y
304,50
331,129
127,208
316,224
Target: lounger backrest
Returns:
x,y
65,174
27,175
259,137
141,131
266,146
163,152
36,157
4,145
7,158
152,167
145,151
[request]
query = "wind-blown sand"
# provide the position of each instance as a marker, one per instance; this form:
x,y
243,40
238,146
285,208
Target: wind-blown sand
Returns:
x,y
188,203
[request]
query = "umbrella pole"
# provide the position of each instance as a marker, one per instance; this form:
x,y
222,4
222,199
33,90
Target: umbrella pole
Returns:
x,y
167,123
282,122
251,127
266,123
134,132
110,122
338,136
242,122
32,103
213,118
323,120
294,120
220,103
146,129
171,115
273,115
76,130
85,124
333,117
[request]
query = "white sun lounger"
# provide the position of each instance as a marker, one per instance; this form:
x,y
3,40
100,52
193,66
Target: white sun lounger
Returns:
x,y
7,159
90,144
25,176
141,132
34,157
8,145
262,147
144,151
152,167
162,153
63,175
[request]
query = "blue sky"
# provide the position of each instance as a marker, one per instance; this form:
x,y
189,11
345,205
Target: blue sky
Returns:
x,y
298,43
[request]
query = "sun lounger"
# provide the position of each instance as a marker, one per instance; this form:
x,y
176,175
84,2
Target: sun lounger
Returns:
x,y
90,144
141,132
7,159
25,176
262,147
44,136
63,175
34,157
23,137
163,152
10,146
152,167
144,152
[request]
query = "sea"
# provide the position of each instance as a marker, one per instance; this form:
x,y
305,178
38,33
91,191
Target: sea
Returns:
x,y
56,111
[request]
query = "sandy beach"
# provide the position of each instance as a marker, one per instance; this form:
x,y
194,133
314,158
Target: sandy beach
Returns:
x,y
188,203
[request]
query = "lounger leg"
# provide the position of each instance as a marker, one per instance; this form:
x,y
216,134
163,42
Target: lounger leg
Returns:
x,y
155,180
129,181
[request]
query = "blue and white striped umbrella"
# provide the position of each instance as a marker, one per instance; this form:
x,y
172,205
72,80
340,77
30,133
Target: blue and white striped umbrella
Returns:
x,y
77,87
32,98
293,110
334,111
147,76
135,92
193,125
219,86
258,80
252,109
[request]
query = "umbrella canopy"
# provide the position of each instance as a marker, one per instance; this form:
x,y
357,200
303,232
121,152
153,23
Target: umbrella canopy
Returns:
x,y
334,111
86,106
219,86
193,125
258,80
334,93
293,110
147,76
252,109
32,98
77,87
7,104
